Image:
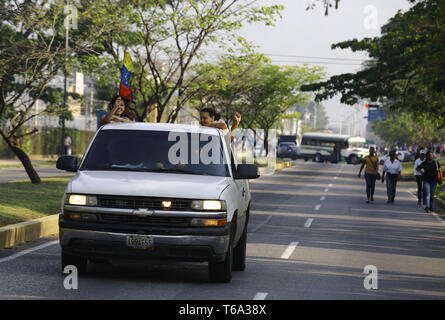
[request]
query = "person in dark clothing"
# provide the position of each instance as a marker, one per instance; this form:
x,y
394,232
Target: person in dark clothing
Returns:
x,y
430,167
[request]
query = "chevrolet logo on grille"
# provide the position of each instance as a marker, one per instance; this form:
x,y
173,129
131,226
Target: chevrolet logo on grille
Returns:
x,y
143,212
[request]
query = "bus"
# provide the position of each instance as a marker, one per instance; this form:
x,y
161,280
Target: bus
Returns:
x,y
321,147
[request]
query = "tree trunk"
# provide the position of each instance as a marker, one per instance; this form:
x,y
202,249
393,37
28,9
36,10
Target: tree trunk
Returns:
x,y
26,162
23,157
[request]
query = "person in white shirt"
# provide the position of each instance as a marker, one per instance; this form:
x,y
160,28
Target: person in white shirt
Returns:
x,y
392,168
418,176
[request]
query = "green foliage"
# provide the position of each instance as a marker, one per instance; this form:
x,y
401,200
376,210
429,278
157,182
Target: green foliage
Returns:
x,y
405,128
406,67
276,89
164,39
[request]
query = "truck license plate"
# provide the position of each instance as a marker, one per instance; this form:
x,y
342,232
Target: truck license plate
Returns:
x,y
140,242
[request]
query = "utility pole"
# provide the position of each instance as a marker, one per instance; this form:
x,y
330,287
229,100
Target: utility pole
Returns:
x,y
71,17
67,28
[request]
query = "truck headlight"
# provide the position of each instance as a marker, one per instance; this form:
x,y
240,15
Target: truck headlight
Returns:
x,y
209,205
81,200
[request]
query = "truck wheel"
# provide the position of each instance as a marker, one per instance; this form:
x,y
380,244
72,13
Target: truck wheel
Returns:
x,y
222,271
79,262
239,252
317,157
353,159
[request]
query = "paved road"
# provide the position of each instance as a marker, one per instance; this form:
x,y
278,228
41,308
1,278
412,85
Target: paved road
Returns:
x,y
311,236
12,174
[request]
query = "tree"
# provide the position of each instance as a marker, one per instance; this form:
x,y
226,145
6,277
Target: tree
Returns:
x,y
31,54
276,89
223,85
405,69
326,3
165,40
406,128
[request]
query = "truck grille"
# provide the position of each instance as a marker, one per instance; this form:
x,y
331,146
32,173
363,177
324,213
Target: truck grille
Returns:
x,y
153,221
127,202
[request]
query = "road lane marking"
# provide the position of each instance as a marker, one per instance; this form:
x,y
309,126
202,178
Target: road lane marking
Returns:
x,y
412,194
22,253
262,224
435,215
289,250
326,190
322,198
317,207
438,218
308,223
330,185
260,296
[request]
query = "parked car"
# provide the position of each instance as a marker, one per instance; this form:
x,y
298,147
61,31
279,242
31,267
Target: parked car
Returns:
x,y
140,193
288,150
402,156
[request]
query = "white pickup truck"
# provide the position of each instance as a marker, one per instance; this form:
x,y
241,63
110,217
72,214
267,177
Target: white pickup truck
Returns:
x,y
157,191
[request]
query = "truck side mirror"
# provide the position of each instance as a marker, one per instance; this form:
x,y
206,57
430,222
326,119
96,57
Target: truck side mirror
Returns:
x,y
67,163
247,171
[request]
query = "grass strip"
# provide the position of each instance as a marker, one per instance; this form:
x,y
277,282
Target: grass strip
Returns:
x,y
23,201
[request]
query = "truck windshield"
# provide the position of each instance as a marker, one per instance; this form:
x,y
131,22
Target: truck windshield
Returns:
x,y
156,151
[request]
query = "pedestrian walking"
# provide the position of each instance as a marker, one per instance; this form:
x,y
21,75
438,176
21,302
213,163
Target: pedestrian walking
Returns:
x,y
392,168
67,143
430,179
371,173
418,175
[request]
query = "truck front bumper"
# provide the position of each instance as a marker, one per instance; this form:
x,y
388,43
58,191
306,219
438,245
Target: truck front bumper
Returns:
x,y
113,245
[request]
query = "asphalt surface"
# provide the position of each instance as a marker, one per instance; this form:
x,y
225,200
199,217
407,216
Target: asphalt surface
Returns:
x,y
12,174
311,236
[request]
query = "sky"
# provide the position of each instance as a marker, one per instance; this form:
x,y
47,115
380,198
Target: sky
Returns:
x,y
301,33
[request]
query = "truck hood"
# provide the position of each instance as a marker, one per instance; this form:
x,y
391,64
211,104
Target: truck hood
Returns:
x,y
148,184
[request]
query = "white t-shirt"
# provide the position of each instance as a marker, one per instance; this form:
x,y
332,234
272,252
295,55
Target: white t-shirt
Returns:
x,y
392,167
226,131
416,164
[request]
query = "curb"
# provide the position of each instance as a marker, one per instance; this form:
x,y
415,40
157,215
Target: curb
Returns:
x,y
279,166
439,204
19,233
283,165
16,234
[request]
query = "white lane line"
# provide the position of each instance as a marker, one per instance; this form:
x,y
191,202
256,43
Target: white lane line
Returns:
x,y
412,194
326,190
262,224
260,296
308,223
287,253
22,253
330,185
435,215
317,207
322,198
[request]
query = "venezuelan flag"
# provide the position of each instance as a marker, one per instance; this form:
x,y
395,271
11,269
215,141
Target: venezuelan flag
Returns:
x,y
127,69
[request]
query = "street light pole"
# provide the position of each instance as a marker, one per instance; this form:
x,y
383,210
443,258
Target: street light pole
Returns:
x,y
65,94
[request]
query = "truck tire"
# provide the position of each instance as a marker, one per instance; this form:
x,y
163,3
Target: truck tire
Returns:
x,y
353,159
79,262
317,157
239,252
222,271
